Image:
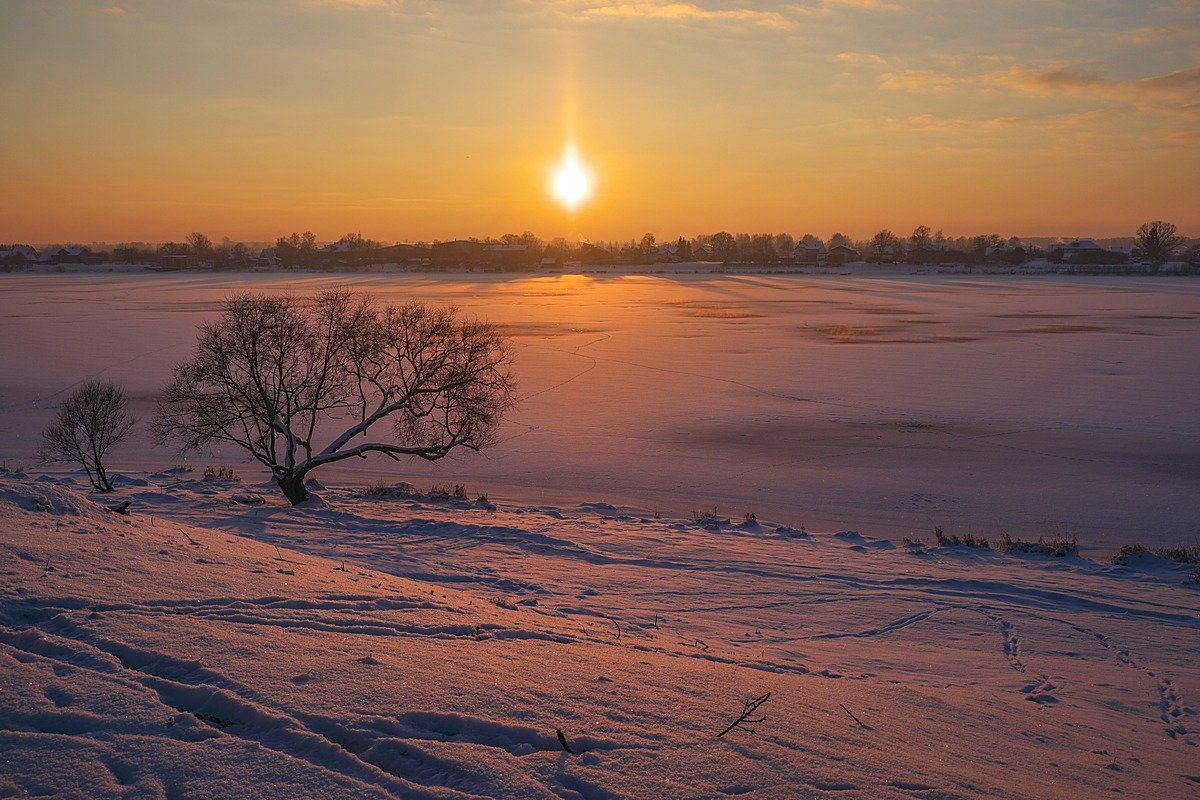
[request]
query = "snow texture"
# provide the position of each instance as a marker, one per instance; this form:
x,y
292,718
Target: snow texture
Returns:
x,y
407,646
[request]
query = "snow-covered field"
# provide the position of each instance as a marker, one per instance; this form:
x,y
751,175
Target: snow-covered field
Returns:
x,y
414,647
1032,405
581,635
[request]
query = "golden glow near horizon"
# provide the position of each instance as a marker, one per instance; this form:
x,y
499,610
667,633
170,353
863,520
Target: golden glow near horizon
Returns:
x,y
571,183
419,121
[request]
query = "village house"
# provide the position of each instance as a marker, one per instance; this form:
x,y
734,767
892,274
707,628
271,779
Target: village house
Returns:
x,y
19,253
842,254
811,251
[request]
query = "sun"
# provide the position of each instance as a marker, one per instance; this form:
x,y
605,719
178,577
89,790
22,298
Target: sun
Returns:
x,y
571,182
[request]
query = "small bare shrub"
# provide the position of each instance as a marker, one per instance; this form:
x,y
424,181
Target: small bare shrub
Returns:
x,y
1057,546
1183,555
710,518
445,491
219,474
1178,554
92,419
966,540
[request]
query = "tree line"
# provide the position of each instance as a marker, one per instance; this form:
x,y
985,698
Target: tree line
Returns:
x,y
1154,242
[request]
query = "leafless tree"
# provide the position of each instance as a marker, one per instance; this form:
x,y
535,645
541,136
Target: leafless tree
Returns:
x,y
90,421
201,246
886,244
1157,241
271,371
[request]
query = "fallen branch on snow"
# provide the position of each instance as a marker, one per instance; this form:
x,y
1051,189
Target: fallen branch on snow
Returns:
x,y
748,708
856,719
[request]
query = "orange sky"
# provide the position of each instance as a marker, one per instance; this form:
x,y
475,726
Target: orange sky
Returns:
x,y
417,120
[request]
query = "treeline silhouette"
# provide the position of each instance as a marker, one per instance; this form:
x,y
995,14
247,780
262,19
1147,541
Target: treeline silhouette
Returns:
x,y
1154,242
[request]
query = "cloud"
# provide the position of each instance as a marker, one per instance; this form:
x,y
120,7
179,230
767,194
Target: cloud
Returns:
x,y
1049,83
861,59
688,12
355,3
1061,121
921,80
867,5
1148,35
1062,81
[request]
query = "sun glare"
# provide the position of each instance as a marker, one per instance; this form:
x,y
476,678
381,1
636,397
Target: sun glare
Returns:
x,y
572,182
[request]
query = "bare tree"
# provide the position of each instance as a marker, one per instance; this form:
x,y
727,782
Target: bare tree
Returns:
x,y
90,421
272,370
724,246
921,237
201,246
1157,241
886,245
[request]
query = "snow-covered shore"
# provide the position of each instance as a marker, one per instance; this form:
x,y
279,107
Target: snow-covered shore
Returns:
x,y
409,646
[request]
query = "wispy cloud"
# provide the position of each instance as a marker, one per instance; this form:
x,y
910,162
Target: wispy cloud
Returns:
x,y
689,12
355,3
922,80
1149,35
1049,82
1059,81
868,5
861,59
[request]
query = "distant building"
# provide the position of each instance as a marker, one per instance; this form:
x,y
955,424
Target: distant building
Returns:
x,y
507,256
19,253
809,252
842,254
1084,251
268,257
74,254
170,262
456,253
400,254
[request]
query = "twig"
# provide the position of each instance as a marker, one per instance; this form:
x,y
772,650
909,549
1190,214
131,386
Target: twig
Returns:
x,y
856,719
46,569
656,621
190,539
748,708
614,622
342,568
279,554
700,643
563,741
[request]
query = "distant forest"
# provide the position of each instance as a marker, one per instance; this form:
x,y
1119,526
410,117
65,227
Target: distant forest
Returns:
x,y
1153,243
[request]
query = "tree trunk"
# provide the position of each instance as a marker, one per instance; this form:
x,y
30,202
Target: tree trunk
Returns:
x,y
293,489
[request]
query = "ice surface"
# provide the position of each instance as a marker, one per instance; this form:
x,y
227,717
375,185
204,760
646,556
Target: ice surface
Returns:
x,y
1032,405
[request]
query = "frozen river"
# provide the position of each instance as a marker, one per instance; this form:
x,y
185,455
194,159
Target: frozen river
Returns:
x,y
889,405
